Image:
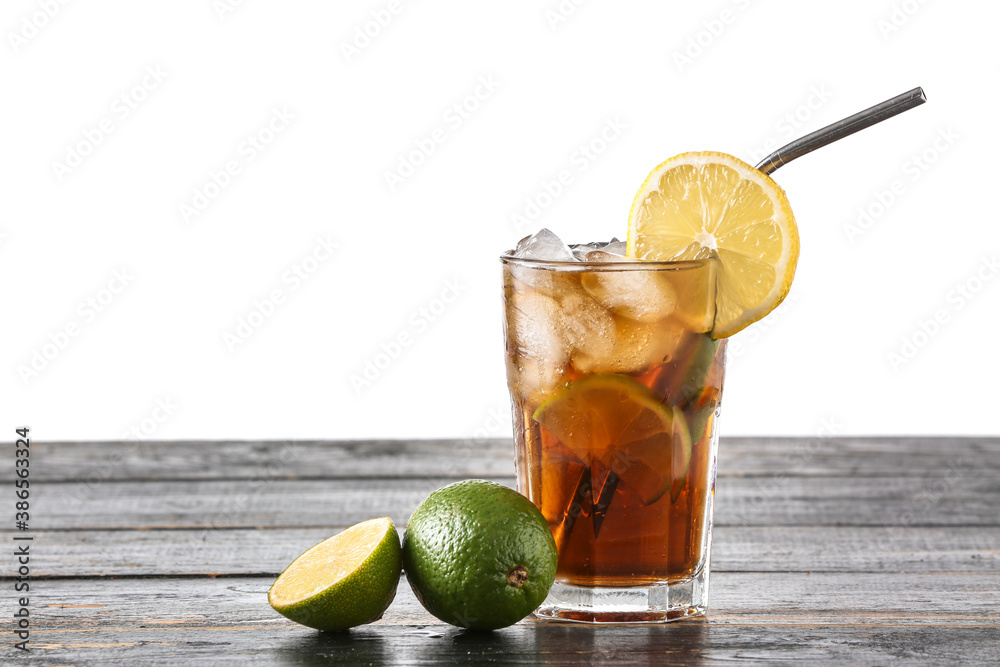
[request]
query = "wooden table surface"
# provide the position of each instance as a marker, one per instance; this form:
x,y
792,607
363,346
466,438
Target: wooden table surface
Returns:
x,y
851,551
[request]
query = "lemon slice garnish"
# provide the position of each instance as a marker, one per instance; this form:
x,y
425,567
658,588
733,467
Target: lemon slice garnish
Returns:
x,y
707,204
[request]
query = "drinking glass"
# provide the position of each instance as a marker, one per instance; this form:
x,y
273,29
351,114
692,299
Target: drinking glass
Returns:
x,y
615,385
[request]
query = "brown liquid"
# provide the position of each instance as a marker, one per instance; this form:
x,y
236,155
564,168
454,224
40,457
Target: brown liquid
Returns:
x,y
614,526
634,543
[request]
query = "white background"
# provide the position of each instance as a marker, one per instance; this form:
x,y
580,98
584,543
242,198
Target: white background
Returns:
x,y
736,76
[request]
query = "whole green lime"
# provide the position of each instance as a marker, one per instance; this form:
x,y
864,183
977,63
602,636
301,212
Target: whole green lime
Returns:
x,y
479,555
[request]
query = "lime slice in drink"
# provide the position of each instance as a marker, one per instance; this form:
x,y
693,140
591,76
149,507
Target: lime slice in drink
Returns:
x,y
344,581
616,422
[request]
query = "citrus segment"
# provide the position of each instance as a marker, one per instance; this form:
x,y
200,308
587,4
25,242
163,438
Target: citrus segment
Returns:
x,y
346,580
613,422
712,205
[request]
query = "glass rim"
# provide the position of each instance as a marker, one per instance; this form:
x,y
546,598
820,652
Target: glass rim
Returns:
x,y
630,265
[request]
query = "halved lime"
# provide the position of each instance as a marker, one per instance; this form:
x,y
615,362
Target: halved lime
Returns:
x,y
344,581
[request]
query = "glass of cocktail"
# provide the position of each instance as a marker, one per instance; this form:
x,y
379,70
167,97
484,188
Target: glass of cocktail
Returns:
x,y
615,362
615,382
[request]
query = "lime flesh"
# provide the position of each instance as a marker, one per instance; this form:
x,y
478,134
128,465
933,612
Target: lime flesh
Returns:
x,y
344,581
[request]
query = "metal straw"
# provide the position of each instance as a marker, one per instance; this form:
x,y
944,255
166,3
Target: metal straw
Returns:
x,y
843,128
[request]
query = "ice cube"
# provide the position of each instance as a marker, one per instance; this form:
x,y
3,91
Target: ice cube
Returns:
x,y
527,277
543,245
637,346
641,295
580,251
616,247
588,326
584,251
539,352
604,256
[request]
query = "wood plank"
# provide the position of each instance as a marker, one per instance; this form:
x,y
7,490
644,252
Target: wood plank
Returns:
x,y
94,462
896,501
809,543
735,549
811,618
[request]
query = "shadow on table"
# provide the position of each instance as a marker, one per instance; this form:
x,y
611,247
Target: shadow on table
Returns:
x,y
358,646
528,643
673,643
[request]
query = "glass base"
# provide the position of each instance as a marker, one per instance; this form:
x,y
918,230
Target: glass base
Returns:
x,y
656,603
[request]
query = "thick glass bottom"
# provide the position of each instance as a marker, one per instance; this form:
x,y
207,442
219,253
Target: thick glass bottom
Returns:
x,y
656,603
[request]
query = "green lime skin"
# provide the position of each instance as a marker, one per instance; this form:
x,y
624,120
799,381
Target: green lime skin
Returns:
x,y
479,555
